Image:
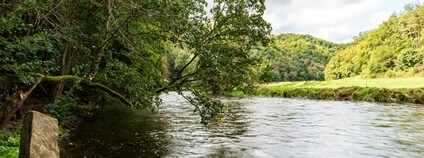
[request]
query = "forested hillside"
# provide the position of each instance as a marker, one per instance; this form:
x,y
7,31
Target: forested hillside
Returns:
x,y
294,57
394,49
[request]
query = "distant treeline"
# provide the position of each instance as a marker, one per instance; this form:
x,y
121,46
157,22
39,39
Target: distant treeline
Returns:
x,y
294,57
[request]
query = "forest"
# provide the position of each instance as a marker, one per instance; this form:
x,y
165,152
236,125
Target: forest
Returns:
x,y
55,55
294,57
71,58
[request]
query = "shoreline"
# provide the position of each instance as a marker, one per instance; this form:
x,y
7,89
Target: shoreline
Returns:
x,y
367,94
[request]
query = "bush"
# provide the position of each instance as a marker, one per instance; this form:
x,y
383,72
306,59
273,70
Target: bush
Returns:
x,y
62,108
9,143
390,74
86,110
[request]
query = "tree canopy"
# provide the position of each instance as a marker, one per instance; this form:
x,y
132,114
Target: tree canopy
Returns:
x,y
294,57
96,49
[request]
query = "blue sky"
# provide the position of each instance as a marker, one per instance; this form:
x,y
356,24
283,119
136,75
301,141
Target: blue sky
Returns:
x,y
334,20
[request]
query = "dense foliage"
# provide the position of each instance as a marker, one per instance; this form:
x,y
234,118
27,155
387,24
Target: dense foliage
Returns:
x,y
219,58
294,57
99,50
9,143
395,49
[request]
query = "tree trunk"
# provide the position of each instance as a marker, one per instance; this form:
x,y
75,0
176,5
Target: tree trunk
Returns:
x,y
216,89
106,37
66,67
58,90
8,113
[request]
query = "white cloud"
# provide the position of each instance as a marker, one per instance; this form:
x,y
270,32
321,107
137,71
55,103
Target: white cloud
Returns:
x,y
333,20
378,17
335,33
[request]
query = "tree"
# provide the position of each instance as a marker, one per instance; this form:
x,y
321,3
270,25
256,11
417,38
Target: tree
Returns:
x,y
296,57
117,47
220,46
102,45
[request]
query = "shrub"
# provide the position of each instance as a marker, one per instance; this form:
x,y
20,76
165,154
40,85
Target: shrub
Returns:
x,y
390,74
9,143
62,108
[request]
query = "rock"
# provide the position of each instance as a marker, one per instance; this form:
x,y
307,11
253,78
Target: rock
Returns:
x,y
39,136
72,145
128,144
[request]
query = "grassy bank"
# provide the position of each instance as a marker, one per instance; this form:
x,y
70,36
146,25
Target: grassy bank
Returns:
x,y
387,83
400,90
369,94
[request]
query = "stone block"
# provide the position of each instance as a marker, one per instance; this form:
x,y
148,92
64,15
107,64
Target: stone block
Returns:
x,y
39,136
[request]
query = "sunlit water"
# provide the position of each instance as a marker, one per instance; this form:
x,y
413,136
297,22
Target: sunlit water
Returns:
x,y
256,127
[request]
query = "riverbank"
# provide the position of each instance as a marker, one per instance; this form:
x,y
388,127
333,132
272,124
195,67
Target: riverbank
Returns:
x,y
398,90
69,117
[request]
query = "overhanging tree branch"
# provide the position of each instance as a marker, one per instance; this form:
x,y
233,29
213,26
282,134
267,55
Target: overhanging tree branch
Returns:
x,y
109,91
75,79
17,104
91,85
179,76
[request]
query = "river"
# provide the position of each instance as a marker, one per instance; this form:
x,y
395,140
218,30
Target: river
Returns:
x,y
255,127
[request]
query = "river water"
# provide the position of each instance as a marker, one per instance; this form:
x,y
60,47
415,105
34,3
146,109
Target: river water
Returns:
x,y
256,127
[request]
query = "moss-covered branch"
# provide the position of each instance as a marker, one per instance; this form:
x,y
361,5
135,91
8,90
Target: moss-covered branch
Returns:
x,y
74,78
109,91
90,84
61,78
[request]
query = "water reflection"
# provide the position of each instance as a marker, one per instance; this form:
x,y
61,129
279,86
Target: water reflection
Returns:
x,y
261,127
120,132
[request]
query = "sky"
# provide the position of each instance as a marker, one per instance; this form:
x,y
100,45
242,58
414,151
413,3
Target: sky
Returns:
x,y
333,20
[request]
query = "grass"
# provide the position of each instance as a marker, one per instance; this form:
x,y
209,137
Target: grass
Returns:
x,y
237,93
390,90
388,83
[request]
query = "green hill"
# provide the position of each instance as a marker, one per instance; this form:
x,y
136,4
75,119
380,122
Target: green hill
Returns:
x,y
394,49
294,57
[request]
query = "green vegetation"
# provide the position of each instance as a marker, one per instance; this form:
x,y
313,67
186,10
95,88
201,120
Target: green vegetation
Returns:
x,y
389,83
9,143
99,52
295,57
399,90
236,93
73,57
392,55
351,93
62,108
394,49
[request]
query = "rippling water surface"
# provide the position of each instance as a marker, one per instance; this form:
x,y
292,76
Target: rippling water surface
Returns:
x,y
256,127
